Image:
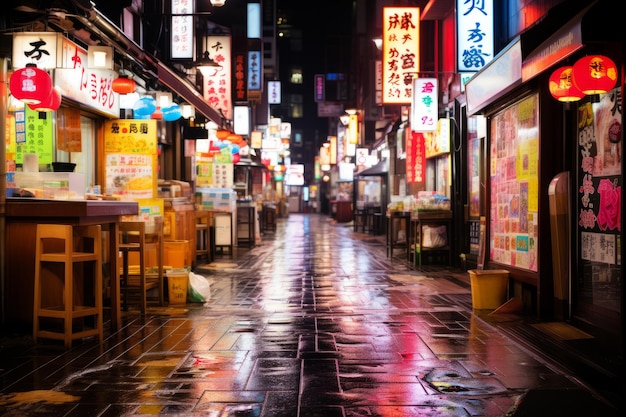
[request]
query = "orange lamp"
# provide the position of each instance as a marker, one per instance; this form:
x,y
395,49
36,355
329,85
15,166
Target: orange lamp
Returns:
x,y
594,74
30,84
222,134
123,85
562,86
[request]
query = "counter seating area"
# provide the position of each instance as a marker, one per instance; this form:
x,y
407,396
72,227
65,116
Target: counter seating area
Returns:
x,y
23,215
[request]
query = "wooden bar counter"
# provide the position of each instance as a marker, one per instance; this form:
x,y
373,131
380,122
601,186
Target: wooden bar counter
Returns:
x,y
22,217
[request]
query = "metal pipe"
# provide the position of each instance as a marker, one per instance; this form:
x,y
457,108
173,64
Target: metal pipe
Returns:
x,y
4,97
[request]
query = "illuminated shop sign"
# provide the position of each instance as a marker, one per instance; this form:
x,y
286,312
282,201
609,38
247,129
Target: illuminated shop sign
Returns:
x,y
475,34
400,53
425,105
217,82
181,44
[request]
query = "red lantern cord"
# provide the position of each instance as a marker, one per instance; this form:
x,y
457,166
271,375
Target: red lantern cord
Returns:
x,y
30,84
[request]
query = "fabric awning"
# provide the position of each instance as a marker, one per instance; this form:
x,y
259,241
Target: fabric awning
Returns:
x,y
381,168
571,29
248,162
115,37
184,88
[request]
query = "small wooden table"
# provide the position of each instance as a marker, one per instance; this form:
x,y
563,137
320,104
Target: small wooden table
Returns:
x,y
22,217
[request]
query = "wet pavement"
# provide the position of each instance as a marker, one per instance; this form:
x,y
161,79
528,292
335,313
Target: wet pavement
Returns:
x,y
315,321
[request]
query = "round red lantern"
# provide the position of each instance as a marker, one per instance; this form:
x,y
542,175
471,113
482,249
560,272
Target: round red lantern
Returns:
x,y
30,84
123,85
52,103
594,74
562,86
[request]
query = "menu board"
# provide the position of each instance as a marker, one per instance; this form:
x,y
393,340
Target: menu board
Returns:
x,y
130,148
35,135
514,174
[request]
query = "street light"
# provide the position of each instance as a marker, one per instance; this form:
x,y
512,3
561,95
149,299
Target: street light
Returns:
x,y
206,64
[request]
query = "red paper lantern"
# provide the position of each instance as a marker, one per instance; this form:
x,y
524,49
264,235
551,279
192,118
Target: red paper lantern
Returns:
x,y
52,103
123,85
30,84
594,74
562,86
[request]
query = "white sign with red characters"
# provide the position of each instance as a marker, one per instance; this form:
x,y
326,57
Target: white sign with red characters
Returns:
x,y
425,105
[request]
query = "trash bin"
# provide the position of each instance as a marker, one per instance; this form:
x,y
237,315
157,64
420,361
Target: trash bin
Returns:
x,y
177,281
175,253
489,288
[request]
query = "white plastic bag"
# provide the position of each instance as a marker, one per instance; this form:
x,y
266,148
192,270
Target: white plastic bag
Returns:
x,y
199,288
434,236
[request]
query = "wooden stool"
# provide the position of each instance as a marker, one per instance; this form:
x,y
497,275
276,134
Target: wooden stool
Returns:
x,y
64,288
203,237
137,280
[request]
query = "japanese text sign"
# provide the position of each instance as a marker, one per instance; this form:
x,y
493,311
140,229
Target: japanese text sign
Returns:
x,y
182,29
217,84
400,53
425,105
475,34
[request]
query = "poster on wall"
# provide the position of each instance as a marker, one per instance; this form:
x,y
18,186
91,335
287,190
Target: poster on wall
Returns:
x,y
38,135
130,148
514,178
599,201
473,163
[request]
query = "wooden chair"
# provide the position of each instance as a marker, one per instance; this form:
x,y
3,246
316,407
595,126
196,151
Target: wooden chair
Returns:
x,y
68,283
203,236
137,278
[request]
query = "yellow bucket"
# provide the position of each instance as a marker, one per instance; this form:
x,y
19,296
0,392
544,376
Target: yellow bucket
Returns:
x,y
177,281
489,288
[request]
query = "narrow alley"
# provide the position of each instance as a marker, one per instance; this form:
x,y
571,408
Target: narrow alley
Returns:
x,y
315,321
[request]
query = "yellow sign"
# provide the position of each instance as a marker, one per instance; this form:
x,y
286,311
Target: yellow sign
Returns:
x,y
131,158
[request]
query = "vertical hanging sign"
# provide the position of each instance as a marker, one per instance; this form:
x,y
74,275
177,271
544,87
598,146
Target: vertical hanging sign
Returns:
x,y
217,82
181,44
400,53
425,105
475,34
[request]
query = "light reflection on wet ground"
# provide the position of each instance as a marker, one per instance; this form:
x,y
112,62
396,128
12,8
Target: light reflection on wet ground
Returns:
x,y
316,321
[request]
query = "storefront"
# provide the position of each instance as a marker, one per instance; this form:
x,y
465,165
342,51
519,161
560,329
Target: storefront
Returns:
x,y
530,140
